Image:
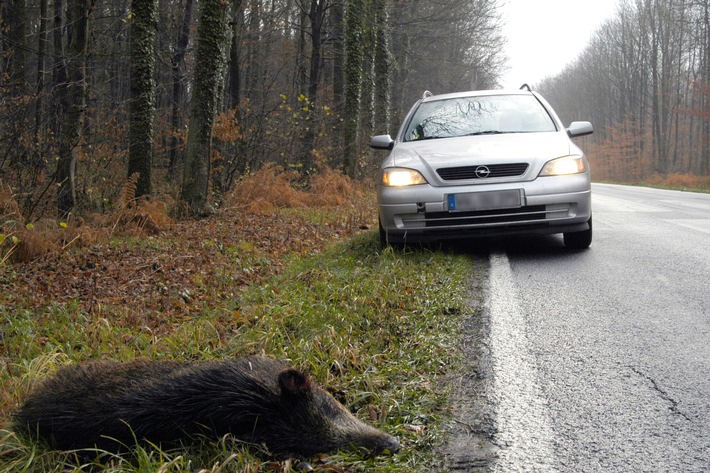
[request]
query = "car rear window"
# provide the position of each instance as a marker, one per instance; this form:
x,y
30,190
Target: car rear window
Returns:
x,y
491,114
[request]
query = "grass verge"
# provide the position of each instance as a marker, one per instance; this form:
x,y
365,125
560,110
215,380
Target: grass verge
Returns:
x,y
377,328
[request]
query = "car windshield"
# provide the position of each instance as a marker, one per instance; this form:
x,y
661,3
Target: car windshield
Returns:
x,y
491,114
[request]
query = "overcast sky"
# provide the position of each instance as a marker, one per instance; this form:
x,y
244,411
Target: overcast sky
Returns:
x,y
546,35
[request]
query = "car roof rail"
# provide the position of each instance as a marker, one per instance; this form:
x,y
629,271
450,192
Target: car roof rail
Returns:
x,y
427,94
526,87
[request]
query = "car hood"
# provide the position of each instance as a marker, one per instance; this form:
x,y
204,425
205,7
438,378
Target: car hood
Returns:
x,y
533,148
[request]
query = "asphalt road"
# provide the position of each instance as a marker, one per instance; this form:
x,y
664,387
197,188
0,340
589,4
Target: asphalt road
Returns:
x,y
600,359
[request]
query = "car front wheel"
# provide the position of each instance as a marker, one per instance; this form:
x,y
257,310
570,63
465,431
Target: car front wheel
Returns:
x,y
579,240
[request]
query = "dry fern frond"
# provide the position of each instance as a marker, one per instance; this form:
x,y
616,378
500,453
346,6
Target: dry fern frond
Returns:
x,y
272,187
331,188
268,188
31,245
157,208
145,217
138,216
9,209
127,198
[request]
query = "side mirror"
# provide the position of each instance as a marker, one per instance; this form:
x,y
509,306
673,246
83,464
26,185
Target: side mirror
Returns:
x,y
382,142
579,129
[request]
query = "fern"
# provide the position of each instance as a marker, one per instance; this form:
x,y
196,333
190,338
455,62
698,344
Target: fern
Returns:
x,y
127,198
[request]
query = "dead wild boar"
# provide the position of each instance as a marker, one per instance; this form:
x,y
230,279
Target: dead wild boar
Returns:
x,y
109,405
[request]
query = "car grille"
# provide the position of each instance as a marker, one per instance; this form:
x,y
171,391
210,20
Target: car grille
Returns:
x,y
483,217
494,170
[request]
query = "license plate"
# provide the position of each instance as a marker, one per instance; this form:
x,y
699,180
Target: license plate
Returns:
x,y
484,200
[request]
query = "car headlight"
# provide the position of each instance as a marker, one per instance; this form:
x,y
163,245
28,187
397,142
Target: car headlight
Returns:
x,y
564,166
400,177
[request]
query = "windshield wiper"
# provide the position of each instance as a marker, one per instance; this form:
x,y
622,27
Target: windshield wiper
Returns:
x,y
486,132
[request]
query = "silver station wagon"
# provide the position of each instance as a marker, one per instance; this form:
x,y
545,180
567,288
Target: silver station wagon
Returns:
x,y
484,163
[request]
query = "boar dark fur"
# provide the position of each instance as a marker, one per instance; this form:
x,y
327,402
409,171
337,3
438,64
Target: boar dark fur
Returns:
x,y
110,405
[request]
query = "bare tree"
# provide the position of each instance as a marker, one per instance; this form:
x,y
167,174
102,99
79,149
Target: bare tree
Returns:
x,y
644,76
445,46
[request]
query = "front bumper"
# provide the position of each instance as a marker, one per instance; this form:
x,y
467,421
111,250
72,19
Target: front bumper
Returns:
x,y
548,205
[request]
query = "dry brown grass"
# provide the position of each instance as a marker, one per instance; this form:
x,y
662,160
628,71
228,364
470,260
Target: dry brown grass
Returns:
x,y
19,241
331,187
258,194
265,190
22,240
26,241
273,187
682,181
145,217
8,206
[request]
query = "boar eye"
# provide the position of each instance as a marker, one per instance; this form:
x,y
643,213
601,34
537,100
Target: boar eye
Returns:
x,y
329,406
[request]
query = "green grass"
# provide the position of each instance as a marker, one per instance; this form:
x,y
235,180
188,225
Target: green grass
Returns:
x,y
378,328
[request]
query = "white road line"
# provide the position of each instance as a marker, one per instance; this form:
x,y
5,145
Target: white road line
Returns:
x,y
523,434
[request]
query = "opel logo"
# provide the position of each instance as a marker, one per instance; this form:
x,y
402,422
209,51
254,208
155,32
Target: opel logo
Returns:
x,y
482,172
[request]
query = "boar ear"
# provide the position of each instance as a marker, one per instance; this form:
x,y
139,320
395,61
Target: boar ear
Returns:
x,y
294,383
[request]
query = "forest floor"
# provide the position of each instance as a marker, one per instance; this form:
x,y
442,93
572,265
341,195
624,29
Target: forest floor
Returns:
x,y
142,260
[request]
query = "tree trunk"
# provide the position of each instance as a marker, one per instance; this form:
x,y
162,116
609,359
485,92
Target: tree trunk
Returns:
x,y
337,26
178,75
209,66
383,79
13,33
253,71
234,91
316,15
300,72
142,104
354,59
14,119
41,54
73,99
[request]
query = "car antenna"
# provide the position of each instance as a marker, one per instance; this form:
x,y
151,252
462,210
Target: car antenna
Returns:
x,y
526,86
426,94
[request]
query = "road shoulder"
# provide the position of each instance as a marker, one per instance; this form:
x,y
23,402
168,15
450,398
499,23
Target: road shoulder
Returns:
x,y
471,431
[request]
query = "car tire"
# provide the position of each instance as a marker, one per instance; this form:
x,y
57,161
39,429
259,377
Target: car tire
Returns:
x,y
579,240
